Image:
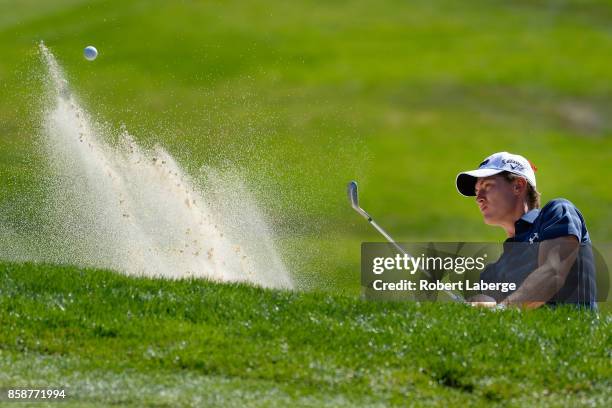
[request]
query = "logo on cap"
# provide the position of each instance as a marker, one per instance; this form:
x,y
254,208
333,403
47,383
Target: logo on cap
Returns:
x,y
514,165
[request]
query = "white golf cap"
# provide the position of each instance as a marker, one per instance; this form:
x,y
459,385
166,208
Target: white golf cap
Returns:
x,y
494,164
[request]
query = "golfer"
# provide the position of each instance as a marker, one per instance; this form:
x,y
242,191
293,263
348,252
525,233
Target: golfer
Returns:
x,y
547,253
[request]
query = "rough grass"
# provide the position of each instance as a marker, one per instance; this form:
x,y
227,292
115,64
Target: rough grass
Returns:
x,y
108,338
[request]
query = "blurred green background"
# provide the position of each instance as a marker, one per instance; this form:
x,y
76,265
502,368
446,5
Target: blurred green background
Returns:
x,y
303,96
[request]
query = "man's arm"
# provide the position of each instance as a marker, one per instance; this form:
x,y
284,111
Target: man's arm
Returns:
x,y
555,259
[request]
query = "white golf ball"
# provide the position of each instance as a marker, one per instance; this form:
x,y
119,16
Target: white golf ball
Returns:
x,y
90,53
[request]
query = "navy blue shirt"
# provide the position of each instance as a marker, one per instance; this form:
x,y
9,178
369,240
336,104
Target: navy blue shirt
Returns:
x,y
556,219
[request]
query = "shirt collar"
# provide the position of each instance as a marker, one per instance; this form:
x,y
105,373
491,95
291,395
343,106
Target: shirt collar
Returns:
x,y
520,226
530,216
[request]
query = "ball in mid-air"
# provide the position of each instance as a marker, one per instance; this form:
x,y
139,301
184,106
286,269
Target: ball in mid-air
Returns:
x,y
90,53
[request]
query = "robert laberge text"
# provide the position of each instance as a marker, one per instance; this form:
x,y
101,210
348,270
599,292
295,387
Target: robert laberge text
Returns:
x,y
406,285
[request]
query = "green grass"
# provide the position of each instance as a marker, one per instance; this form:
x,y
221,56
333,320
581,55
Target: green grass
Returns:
x,y
111,339
307,95
301,97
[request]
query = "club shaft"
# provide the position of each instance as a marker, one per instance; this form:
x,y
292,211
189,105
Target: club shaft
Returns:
x,y
354,199
384,234
378,228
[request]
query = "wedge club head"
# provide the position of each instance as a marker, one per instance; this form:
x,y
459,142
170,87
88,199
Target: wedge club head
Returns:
x,y
353,196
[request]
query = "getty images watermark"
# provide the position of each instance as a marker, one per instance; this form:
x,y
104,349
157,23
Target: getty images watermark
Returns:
x,y
414,264
459,270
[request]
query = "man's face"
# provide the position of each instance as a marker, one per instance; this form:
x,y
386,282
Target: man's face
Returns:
x,y
496,199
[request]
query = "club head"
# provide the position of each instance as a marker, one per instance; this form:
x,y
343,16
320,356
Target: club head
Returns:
x,y
353,196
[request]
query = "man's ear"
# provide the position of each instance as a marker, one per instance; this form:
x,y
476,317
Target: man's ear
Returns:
x,y
520,184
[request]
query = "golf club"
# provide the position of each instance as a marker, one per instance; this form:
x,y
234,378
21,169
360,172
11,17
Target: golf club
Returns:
x,y
354,199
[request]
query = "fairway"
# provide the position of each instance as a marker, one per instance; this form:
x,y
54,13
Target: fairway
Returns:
x,y
255,116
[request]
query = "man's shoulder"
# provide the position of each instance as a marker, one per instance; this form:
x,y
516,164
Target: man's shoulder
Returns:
x,y
556,203
561,217
559,207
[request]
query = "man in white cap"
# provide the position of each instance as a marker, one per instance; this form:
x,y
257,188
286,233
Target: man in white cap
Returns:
x,y
547,253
